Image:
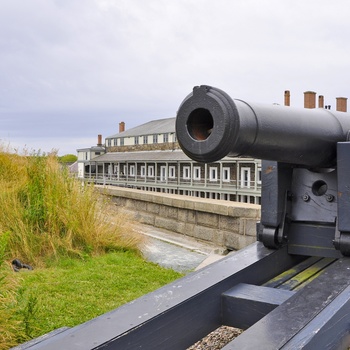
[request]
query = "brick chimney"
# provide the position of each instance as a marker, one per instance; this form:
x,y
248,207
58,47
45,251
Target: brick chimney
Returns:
x,y
287,98
99,140
320,101
341,104
309,99
121,126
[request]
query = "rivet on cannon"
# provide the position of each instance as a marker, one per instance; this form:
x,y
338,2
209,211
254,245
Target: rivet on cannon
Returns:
x,y
306,197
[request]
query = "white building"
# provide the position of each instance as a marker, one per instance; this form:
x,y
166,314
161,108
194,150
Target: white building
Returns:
x,y
148,158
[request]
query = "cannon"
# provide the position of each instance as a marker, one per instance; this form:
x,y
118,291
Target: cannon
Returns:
x,y
305,169
288,290
210,125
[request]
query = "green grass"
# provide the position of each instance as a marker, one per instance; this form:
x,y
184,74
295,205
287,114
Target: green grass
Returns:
x,y
74,291
86,256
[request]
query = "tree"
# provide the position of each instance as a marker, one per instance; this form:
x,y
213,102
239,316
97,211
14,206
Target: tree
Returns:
x,y
68,158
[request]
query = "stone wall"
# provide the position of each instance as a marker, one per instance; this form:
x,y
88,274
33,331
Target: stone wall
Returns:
x,y
226,224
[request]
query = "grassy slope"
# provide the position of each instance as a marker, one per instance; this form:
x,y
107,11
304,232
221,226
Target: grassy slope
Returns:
x,y
75,291
49,220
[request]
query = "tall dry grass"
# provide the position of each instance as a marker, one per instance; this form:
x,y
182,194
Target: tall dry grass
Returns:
x,y
9,328
48,214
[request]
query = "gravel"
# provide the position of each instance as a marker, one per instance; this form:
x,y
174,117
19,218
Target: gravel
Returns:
x,y
217,339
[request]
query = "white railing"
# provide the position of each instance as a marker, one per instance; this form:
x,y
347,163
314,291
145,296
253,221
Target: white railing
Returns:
x,y
157,181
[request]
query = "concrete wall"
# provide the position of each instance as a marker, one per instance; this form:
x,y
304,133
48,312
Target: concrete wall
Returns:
x,y
224,223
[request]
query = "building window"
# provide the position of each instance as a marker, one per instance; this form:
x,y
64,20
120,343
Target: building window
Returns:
x,y
151,171
226,174
143,171
213,174
121,140
136,140
109,142
186,172
115,142
165,138
163,173
155,138
259,176
172,172
196,173
132,170
145,139
245,177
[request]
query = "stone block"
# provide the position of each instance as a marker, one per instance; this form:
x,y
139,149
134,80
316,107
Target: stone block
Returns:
x,y
204,233
178,202
219,238
229,223
188,229
167,200
207,219
244,241
146,218
135,205
244,210
152,208
119,201
168,212
188,204
250,227
180,227
231,240
173,212
247,227
203,206
163,211
166,223
185,215
236,241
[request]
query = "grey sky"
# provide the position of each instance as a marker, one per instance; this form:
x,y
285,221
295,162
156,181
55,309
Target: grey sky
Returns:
x,y
73,69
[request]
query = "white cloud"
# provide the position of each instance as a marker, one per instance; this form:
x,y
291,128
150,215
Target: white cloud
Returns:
x,y
136,60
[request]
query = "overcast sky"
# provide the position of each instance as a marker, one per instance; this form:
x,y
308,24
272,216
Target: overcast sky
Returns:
x,y
73,69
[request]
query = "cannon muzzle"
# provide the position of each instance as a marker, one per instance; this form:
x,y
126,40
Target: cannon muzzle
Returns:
x,y
211,125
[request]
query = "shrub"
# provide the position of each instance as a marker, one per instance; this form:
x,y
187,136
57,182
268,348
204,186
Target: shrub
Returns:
x,y
68,158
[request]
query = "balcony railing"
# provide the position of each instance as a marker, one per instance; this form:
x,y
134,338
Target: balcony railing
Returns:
x,y
180,183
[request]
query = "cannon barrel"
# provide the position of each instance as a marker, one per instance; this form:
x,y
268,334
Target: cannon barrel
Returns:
x,y
211,125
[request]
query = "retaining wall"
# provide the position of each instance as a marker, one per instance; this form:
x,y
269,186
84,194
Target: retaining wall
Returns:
x,y
224,223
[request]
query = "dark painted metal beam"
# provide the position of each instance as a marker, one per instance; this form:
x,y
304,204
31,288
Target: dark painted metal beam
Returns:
x,y
329,330
310,308
245,304
179,314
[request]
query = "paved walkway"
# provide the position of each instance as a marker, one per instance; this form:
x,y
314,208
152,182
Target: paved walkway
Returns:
x,y
178,252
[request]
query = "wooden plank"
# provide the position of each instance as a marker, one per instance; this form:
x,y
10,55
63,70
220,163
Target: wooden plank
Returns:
x,y
286,275
306,276
312,240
